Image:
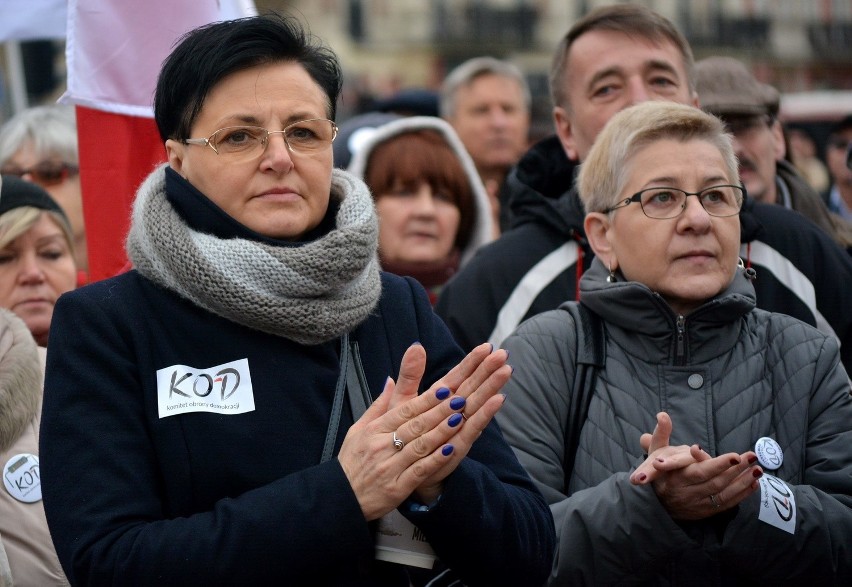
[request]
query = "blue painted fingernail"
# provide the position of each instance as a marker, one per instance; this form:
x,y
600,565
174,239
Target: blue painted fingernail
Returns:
x,y
457,403
447,450
442,393
455,420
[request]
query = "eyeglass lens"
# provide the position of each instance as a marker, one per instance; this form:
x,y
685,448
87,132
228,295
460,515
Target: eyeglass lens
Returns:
x,y
45,173
305,136
670,202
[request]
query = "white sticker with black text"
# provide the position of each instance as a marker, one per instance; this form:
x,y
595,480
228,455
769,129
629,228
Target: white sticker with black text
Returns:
x,y
22,478
223,389
777,504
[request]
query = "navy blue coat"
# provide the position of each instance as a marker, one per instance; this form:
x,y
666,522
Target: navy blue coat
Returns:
x,y
209,499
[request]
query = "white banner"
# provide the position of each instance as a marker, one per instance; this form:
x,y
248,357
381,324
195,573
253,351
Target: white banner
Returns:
x,y
114,50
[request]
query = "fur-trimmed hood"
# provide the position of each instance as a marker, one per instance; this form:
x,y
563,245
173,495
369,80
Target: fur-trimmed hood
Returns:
x,y
483,231
20,378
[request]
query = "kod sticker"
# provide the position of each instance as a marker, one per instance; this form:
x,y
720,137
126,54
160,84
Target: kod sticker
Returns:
x,y
777,504
769,453
223,389
22,478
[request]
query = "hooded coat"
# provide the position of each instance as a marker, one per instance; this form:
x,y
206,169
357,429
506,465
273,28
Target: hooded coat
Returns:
x,y
483,229
24,535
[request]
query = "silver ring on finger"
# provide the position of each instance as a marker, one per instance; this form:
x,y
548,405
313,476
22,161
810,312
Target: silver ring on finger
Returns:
x,y
398,444
716,504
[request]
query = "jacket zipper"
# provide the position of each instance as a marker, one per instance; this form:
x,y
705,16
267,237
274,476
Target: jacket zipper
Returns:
x,y
680,359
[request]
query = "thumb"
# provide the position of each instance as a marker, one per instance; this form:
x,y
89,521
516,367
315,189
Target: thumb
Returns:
x,y
662,432
379,407
411,370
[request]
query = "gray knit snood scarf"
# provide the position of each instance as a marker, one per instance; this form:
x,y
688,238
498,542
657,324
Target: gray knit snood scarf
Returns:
x,y
310,293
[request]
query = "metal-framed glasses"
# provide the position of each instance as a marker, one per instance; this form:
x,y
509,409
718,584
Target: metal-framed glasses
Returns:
x,y
664,202
45,173
241,143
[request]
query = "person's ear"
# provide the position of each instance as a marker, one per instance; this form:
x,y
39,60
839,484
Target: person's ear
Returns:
x,y
695,99
597,226
562,123
175,152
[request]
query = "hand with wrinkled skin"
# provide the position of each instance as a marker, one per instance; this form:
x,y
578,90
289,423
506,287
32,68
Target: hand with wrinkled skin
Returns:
x,y
684,477
383,477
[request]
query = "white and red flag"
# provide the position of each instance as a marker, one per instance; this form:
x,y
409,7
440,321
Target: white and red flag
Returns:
x,y
114,51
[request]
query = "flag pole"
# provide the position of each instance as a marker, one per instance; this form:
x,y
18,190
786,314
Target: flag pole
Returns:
x,y
17,79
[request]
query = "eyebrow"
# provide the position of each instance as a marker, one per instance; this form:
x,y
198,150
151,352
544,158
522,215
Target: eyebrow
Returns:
x,y
648,66
656,64
250,119
50,238
668,181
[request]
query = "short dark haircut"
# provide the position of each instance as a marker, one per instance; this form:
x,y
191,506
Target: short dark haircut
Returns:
x,y
633,20
205,55
411,158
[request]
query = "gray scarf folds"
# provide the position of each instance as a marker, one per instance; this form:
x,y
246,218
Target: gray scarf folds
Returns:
x,y
310,293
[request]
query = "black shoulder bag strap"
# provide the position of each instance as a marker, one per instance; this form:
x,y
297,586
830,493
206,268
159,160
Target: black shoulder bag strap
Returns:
x,y
351,383
591,339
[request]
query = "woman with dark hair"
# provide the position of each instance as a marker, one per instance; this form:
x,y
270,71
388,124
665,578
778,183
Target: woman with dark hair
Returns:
x,y
433,209
256,403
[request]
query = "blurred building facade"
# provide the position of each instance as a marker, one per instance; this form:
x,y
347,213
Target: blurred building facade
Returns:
x,y
386,45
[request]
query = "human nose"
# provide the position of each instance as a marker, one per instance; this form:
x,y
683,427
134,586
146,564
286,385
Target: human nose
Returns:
x,y
638,91
425,201
694,212
499,117
277,154
30,270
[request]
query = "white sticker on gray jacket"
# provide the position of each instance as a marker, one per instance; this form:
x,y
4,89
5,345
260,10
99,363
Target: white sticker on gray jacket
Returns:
x,y
223,389
777,504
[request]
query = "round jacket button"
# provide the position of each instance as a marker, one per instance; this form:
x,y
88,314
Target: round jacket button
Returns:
x,y
695,381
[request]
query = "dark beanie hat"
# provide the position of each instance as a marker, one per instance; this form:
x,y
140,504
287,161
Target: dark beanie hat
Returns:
x,y
16,193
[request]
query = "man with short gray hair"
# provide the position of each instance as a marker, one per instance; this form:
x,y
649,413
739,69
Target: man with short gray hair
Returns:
x,y
487,101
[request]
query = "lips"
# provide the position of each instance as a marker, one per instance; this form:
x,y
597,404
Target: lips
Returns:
x,y
697,254
32,302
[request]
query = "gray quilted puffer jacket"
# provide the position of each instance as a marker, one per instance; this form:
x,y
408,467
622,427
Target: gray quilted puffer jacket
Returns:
x,y
728,374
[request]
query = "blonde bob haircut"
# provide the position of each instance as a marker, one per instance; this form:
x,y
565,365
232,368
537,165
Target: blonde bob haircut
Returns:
x,y
605,172
17,221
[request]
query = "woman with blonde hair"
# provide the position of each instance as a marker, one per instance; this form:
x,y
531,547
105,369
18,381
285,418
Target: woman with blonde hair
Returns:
x,y
712,447
36,254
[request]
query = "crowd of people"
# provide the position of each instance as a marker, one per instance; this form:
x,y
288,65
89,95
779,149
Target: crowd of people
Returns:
x,y
416,349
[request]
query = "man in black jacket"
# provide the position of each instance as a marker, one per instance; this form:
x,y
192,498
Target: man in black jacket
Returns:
x,y
614,57
727,89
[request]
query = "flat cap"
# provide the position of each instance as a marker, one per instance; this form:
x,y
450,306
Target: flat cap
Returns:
x,y
726,87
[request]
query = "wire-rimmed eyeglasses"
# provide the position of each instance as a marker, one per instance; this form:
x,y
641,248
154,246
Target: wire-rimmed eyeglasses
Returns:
x,y
665,202
241,143
45,173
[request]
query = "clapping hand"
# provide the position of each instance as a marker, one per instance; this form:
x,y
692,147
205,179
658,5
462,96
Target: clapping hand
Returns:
x,y
406,444
690,483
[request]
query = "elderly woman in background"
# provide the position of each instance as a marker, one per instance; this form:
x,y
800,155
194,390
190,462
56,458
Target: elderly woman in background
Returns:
x,y
744,473
433,209
24,536
229,414
39,144
36,254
